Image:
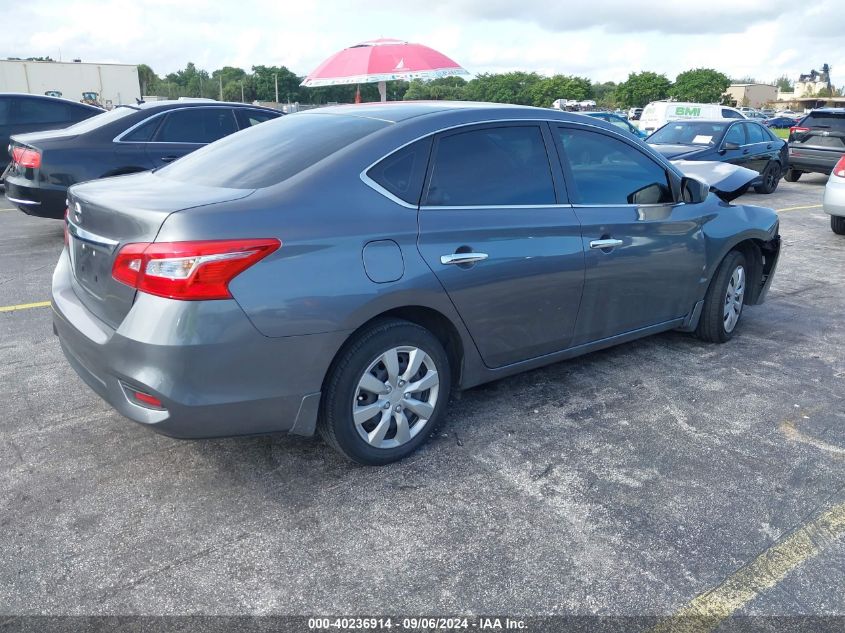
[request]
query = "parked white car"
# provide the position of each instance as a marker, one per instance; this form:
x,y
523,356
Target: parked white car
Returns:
x,y
834,197
657,113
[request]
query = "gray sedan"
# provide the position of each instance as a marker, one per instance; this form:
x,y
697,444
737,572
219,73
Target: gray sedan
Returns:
x,y
345,270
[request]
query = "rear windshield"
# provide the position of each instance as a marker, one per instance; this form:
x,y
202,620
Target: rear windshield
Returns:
x,y
827,120
688,133
102,119
269,153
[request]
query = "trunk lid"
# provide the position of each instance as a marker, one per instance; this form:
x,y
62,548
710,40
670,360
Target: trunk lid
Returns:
x,y
104,215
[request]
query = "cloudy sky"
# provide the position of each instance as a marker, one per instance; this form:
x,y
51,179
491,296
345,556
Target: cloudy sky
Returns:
x,y
601,39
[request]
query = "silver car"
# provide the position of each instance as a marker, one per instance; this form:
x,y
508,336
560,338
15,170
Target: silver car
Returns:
x,y
834,197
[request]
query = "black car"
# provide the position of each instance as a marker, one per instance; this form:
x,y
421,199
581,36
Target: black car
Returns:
x,y
816,143
125,140
744,143
20,113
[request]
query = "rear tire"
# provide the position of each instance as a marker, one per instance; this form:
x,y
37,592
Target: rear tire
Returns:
x,y
771,178
367,412
724,300
792,175
837,224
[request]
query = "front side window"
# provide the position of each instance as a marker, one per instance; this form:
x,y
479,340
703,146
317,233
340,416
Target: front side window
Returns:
x,y
735,135
755,133
196,125
607,171
403,172
491,167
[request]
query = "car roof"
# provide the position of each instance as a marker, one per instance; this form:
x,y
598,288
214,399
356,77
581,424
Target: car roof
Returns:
x,y
192,103
399,111
49,98
829,110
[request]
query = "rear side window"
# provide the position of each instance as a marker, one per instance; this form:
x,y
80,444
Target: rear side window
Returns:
x,y
267,154
403,172
491,166
731,114
143,132
248,118
5,109
196,125
41,111
607,171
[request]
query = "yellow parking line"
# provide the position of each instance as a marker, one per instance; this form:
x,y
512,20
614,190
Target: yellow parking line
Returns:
x,y
705,612
24,306
812,206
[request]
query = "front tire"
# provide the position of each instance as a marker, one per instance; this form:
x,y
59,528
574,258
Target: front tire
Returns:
x,y
385,393
771,178
792,175
837,224
724,300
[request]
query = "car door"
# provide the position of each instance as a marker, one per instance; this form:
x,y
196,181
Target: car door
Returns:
x,y
5,130
761,149
493,231
185,129
644,251
735,148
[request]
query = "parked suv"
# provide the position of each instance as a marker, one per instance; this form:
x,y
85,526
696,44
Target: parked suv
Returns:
x,y
125,140
21,113
816,143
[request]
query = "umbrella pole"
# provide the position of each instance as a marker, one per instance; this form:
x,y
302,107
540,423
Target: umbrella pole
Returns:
x,y
382,90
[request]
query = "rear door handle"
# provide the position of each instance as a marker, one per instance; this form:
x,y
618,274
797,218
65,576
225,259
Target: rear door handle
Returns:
x,y
608,243
463,258
168,159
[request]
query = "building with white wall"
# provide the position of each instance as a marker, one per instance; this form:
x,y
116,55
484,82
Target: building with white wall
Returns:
x,y
115,84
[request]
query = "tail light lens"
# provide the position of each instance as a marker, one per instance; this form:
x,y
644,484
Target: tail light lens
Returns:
x,y
190,271
798,128
839,169
27,157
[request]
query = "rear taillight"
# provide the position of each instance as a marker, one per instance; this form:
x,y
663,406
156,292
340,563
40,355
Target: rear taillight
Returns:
x,y
188,270
26,157
839,169
798,128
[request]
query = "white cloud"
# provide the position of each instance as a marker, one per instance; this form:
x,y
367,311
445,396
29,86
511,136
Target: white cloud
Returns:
x,y
602,39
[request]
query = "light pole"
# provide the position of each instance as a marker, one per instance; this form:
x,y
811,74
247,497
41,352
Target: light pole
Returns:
x,y
242,91
276,80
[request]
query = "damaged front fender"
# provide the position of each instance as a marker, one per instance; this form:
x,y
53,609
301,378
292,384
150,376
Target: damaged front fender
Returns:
x,y
727,181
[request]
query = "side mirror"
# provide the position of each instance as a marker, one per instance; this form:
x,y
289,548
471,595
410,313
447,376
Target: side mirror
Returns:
x,y
694,191
730,145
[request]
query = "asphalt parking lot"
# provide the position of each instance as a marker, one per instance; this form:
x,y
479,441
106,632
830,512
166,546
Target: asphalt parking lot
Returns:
x,y
663,476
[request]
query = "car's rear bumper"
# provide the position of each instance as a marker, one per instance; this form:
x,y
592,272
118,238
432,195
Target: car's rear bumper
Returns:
x,y
816,161
834,196
213,372
44,202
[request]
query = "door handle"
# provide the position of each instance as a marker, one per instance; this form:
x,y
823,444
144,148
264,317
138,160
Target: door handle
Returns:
x,y
463,258
608,243
168,159
746,151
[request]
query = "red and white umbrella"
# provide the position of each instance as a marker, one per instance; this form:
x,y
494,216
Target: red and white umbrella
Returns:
x,y
382,61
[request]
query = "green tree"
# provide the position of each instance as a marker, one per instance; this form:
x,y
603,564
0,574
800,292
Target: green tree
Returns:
x,y
513,87
547,89
642,88
147,79
784,84
701,85
605,94
443,88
